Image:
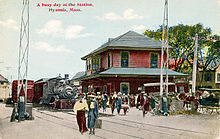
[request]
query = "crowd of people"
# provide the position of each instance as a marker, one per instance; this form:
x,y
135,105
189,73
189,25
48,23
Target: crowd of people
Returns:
x,y
93,102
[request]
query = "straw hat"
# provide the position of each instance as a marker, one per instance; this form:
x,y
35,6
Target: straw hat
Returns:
x,y
92,95
80,95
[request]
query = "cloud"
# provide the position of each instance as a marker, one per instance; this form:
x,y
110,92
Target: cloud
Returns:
x,y
138,27
56,29
10,23
74,32
48,48
127,15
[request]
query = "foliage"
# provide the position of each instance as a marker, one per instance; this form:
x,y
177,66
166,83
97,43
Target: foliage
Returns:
x,y
181,38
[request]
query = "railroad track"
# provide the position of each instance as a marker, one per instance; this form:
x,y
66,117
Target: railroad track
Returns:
x,y
70,122
168,131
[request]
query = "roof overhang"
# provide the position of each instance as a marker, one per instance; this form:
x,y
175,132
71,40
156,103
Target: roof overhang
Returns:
x,y
156,84
123,76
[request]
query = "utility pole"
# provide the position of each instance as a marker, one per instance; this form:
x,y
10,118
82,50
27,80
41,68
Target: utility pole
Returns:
x,y
164,61
194,67
23,52
164,49
194,72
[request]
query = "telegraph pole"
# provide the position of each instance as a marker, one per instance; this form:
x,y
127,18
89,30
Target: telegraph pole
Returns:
x,y
194,67
194,71
164,50
23,52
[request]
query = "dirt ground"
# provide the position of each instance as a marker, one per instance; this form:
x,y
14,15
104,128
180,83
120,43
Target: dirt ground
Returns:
x,y
52,124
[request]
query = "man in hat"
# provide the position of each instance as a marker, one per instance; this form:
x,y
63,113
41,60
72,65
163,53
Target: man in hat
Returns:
x,y
93,113
79,109
140,99
118,102
104,101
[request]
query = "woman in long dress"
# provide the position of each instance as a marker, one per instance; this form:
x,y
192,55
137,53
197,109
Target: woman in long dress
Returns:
x,y
118,102
125,104
79,108
92,114
112,103
146,105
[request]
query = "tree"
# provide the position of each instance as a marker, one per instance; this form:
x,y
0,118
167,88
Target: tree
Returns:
x,y
181,38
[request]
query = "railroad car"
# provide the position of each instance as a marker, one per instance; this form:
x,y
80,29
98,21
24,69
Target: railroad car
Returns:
x,y
30,90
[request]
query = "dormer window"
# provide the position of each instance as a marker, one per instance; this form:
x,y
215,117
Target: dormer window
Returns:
x,y
95,63
154,60
109,60
89,64
124,59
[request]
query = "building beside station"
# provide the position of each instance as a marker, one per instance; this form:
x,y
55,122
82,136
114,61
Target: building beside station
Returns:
x,y
124,64
5,88
209,78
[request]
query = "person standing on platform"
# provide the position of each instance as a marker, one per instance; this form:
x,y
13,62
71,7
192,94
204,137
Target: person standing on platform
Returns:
x,y
125,103
112,102
118,102
79,109
99,100
140,100
153,102
146,105
93,113
104,101
132,100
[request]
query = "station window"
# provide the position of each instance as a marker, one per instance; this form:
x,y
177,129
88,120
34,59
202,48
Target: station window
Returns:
x,y
89,64
124,88
124,59
95,63
154,60
109,60
105,88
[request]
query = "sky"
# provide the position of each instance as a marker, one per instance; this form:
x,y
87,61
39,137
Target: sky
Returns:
x,y
58,40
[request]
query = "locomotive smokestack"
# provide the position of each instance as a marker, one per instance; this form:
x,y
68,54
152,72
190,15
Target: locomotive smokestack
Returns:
x,y
66,76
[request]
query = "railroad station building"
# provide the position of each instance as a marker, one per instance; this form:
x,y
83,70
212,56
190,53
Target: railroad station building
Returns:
x,y
124,64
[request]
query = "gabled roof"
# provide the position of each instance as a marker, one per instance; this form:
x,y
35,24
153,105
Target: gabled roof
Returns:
x,y
131,72
78,75
130,39
3,79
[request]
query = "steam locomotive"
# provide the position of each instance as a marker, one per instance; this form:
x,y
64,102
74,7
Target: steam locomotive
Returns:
x,y
56,92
